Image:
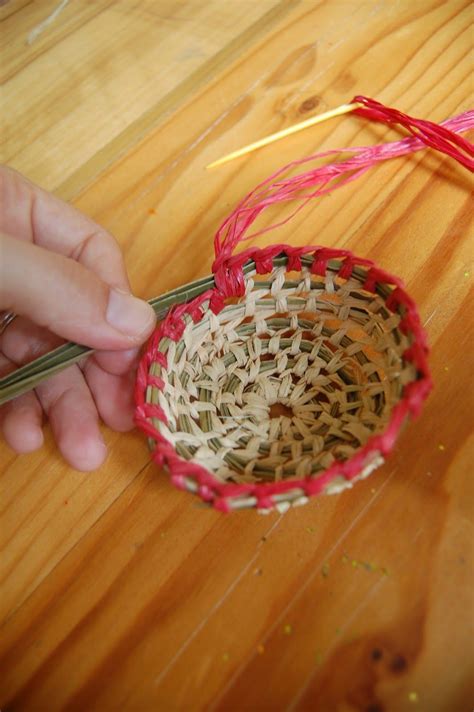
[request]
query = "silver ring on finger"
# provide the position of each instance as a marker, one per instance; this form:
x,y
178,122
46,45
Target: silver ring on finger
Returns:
x,y
6,319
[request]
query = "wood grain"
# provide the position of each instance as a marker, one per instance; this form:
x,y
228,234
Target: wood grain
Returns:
x,y
105,65
119,592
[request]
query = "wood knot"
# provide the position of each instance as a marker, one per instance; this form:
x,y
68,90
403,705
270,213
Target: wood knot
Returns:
x,y
309,104
345,81
398,664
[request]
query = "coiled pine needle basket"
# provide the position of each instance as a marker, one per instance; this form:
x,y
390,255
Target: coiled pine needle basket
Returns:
x,y
291,373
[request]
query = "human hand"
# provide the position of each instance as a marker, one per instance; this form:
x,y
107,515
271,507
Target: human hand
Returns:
x,y
65,278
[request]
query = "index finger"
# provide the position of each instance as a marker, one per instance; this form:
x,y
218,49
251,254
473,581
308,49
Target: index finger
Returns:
x,y
28,212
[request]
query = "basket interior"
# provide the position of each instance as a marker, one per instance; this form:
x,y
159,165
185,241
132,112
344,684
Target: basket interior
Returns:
x,y
298,373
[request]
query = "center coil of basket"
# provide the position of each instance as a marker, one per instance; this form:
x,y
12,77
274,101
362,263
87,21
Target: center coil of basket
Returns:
x,y
298,373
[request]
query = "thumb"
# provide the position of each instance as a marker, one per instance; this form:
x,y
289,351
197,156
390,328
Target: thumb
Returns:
x,y
68,299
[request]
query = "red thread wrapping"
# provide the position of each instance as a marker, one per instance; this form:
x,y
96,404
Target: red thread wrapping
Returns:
x,y
431,134
230,281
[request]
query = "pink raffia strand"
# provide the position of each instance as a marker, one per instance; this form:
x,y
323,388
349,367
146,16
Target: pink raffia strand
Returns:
x,y
324,179
230,282
436,136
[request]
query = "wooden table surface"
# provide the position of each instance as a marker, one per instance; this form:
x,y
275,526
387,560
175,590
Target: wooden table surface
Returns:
x,y
122,593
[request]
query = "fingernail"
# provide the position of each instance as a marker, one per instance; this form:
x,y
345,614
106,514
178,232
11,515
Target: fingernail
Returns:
x,y
130,315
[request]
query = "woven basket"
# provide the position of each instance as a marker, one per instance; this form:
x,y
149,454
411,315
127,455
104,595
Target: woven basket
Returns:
x,y
297,387
290,371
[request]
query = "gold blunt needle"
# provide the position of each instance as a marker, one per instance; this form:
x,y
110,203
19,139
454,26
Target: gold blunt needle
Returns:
x,y
343,109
